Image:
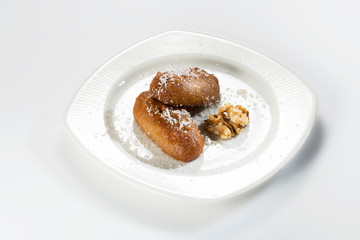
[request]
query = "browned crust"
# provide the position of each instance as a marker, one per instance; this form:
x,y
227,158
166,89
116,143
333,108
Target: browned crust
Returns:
x,y
177,136
191,87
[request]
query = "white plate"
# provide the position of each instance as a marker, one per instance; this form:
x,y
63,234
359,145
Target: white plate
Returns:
x,y
282,111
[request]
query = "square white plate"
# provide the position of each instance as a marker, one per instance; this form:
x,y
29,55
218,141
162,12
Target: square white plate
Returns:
x,y
282,111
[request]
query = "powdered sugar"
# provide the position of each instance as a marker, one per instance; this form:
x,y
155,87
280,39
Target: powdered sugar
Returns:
x,y
151,110
177,118
188,73
185,74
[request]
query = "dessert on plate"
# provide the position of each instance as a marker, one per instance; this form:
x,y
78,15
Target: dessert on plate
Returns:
x,y
161,114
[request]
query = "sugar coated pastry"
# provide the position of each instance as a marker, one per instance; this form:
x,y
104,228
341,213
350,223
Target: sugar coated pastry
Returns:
x,y
189,87
172,128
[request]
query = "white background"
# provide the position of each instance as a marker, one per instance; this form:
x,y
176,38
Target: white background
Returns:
x,y
50,190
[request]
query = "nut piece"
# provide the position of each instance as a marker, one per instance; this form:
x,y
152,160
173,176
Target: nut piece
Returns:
x,y
217,125
229,121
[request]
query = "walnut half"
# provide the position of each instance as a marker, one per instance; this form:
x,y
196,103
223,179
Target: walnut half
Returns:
x,y
229,121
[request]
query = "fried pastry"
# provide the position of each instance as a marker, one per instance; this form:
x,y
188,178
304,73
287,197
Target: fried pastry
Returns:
x,y
172,128
190,87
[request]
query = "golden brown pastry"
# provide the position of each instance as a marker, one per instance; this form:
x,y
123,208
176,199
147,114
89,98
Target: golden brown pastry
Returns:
x,y
190,87
171,128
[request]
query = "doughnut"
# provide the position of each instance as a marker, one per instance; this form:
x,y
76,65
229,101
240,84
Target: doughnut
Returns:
x,y
191,87
171,128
